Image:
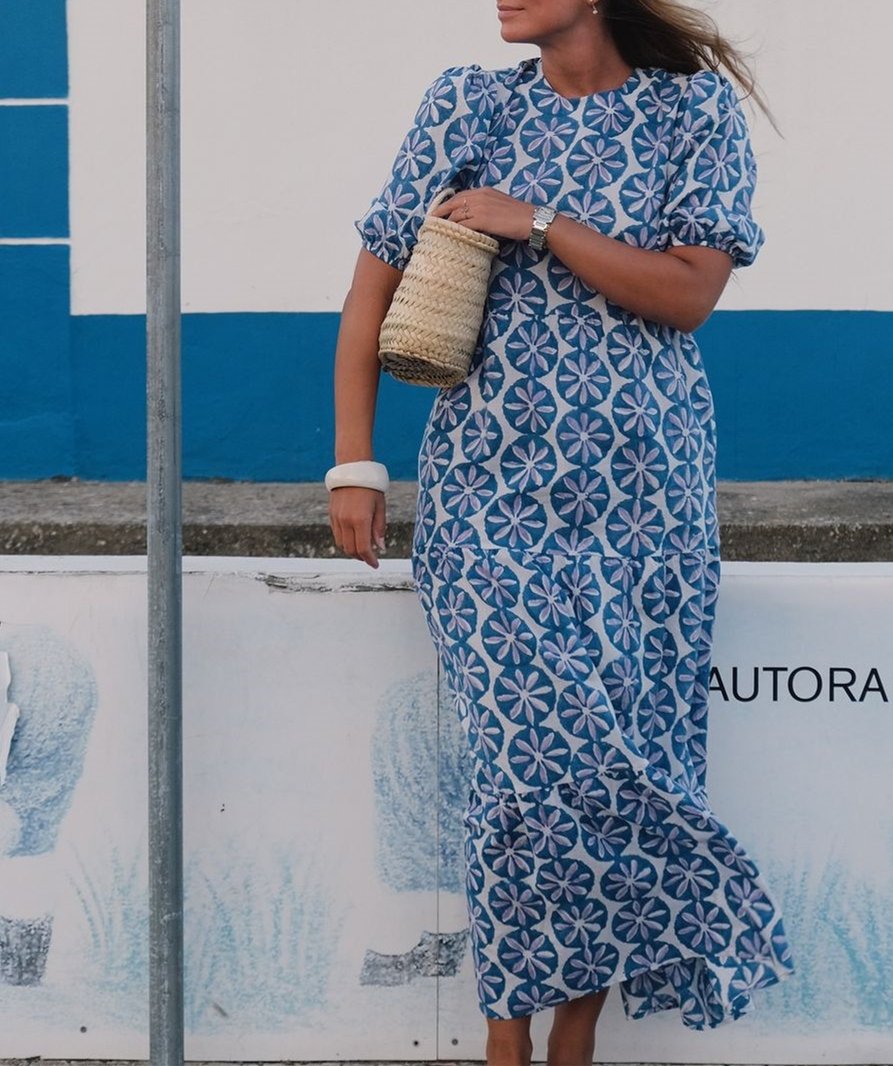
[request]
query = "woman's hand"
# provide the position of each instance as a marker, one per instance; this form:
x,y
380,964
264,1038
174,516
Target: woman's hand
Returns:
x,y
357,517
490,211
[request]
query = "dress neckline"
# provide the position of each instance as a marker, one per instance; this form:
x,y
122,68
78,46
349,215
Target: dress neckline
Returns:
x,y
620,90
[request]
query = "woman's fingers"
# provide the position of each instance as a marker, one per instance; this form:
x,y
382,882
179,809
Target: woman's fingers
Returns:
x,y
337,534
348,540
363,542
352,518
335,521
488,210
379,522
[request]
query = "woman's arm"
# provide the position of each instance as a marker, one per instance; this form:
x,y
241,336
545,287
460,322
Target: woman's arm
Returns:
x,y
357,514
357,367
678,287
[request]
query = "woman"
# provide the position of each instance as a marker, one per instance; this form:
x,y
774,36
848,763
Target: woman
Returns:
x,y
566,548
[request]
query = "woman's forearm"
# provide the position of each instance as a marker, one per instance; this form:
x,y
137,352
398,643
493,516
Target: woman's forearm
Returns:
x,y
655,285
357,372
678,287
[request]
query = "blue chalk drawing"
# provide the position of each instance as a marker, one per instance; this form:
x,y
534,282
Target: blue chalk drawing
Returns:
x,y
420,769
48,706
55,690
842,929
421,772
112,892
261,936
115,908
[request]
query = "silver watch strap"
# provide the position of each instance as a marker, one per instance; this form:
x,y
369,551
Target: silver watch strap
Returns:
x,y
542,219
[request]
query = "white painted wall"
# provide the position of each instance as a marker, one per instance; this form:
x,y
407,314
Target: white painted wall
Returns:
x,y
281,811
293,110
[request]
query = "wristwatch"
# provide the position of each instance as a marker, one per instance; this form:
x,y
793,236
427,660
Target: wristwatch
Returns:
x,y
542,219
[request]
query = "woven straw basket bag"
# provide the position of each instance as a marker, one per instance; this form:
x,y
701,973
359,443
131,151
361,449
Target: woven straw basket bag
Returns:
x,y
430,331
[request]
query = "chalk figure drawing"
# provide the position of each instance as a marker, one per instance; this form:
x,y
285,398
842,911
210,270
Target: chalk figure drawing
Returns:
x,y
262,921
419,766
47,706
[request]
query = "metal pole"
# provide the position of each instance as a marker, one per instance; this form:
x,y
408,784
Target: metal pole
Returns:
x,y
164,533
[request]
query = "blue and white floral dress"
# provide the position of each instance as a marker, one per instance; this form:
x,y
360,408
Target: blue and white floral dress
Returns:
x,y
566,551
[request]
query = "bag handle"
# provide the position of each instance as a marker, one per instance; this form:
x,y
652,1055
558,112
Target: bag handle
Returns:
x,y
444,194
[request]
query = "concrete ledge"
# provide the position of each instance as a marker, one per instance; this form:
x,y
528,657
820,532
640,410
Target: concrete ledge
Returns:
x,y
440,1062
798,521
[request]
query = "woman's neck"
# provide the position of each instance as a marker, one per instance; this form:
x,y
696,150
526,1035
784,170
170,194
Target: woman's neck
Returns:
x,y
591,64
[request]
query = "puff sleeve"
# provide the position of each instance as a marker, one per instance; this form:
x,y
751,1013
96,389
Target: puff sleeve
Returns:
x,y
712,172
444,146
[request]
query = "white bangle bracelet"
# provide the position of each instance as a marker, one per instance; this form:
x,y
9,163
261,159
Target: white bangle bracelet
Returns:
x,y
365,473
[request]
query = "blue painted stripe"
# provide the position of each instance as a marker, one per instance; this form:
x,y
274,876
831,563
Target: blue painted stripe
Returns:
x,y
33,48
799,394
34,171
37,412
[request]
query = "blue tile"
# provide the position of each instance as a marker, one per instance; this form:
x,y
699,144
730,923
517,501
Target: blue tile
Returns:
x,y
36,417
34,171
33,49
109,396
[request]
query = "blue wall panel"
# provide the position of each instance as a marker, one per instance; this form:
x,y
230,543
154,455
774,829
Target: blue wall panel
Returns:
x,y
37,407
110,396
34,171
799,394
33,48
256,393
257,398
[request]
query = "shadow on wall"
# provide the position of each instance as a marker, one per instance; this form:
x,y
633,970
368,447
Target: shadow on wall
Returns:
x,y
47,705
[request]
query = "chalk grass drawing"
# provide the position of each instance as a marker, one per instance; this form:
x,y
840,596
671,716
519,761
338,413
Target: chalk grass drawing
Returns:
x,y
841,929
24,944
115,912
261,936
47,705
435,955
862,924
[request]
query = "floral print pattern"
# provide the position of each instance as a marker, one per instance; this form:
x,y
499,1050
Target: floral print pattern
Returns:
x,y
566,551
